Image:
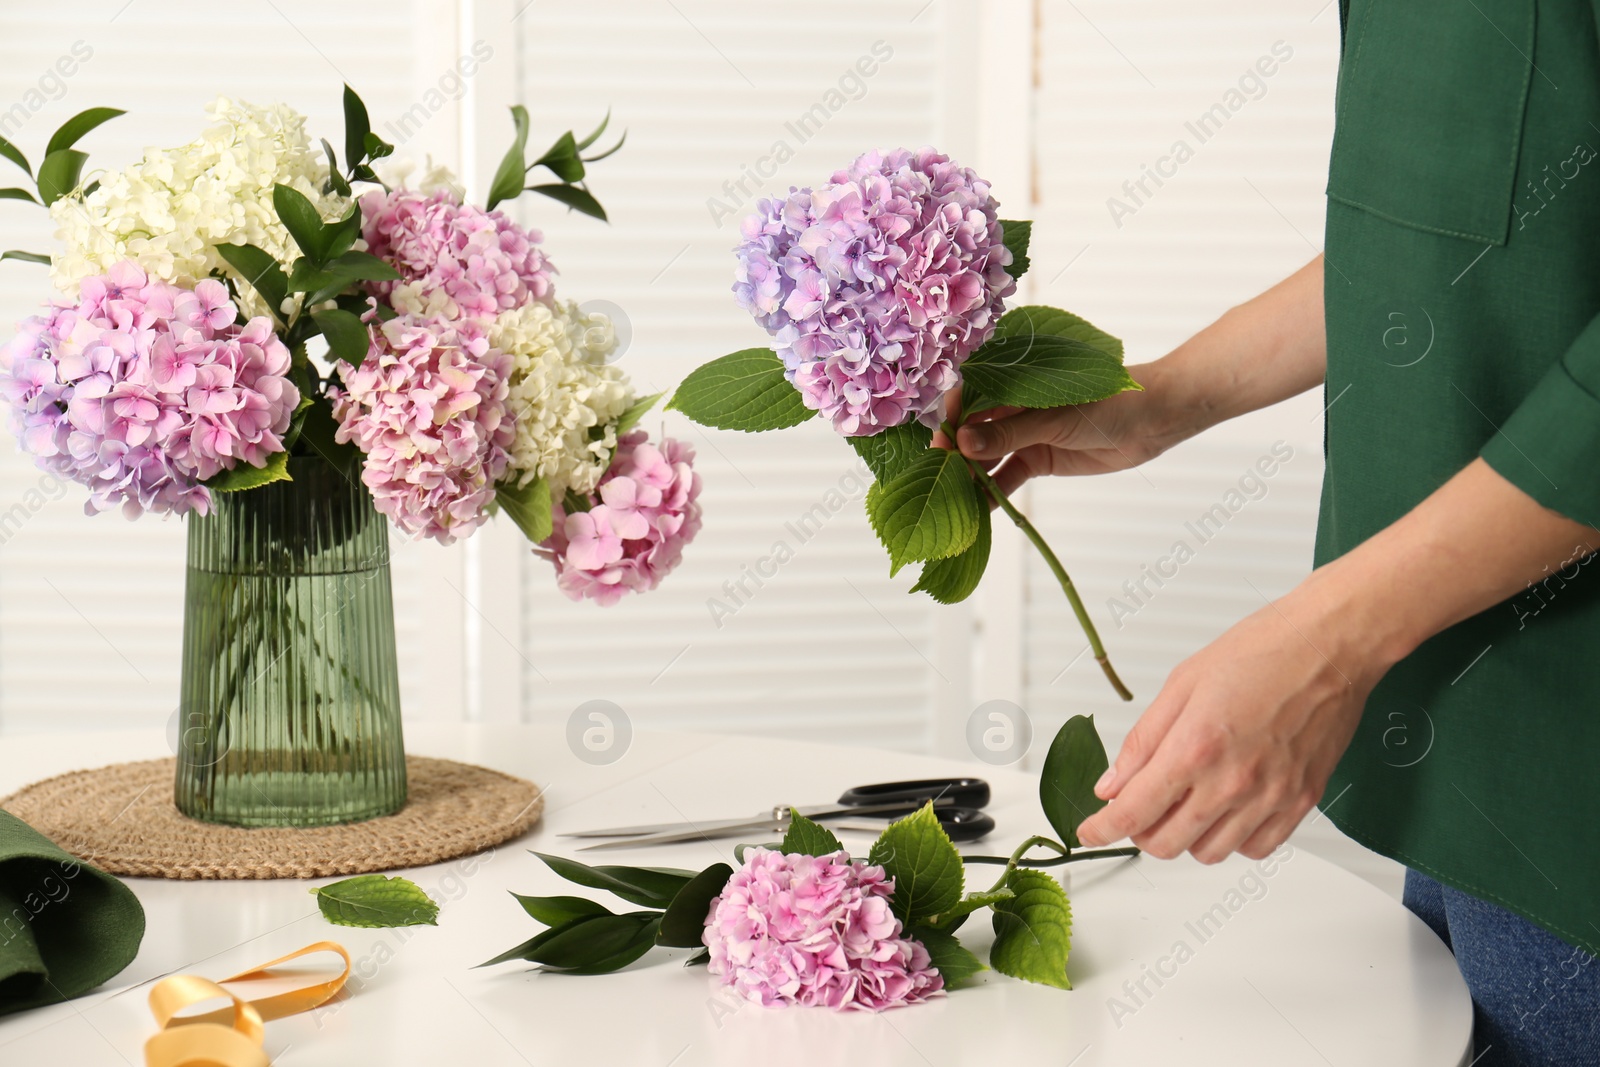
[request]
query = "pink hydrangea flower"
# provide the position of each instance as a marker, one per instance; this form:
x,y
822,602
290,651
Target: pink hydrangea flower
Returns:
x,y
482,260
142,390
428,408
877,286
642,513
815,930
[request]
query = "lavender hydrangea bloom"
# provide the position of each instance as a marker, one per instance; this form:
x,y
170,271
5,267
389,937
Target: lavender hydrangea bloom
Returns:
x,y
877,286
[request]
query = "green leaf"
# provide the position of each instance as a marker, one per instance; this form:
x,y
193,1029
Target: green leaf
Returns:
x,y
608,153
376,900
18,194
699,959
648,887
808,838
356,127
954,578
574,197
685,919
60,173
1016,236
244,476
70,131
304,224
591,944
744,390
328,281
1038,320
636,411
264,273
347,336
952,917
1075,762
926,868
1033,931
558,911
562,159
336,181
344,234
13,153
317,435
507,184
595,135
377,148
297,421
1041,372
929,511
529,506
955,962
891,451
26,257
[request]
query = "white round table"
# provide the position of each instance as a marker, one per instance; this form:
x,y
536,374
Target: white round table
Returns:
x,y
1282,964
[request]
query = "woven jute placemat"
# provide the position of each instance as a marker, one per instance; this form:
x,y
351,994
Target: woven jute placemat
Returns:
x,y
122,819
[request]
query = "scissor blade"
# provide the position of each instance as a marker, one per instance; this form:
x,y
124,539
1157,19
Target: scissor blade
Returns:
x,y
705,832
659,828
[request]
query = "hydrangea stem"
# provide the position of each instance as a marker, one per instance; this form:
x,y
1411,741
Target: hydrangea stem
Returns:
x,y
1056,568
1056,861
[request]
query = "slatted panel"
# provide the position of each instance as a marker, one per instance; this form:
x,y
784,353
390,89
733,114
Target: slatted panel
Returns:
x,y
706,89
1117,85
91,609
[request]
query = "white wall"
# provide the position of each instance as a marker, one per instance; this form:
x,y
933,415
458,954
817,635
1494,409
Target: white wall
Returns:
x,y
1056,102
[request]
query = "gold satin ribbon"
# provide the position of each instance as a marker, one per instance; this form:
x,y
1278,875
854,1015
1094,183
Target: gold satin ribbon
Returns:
x,y
231,1036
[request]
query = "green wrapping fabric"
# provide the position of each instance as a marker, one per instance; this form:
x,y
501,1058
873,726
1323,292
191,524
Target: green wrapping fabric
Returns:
x,y
65,927
1462,293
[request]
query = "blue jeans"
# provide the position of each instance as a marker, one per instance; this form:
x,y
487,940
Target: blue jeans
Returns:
x,y
1535,998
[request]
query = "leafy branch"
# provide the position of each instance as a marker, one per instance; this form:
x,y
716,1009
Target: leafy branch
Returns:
x,y
564,160
60,171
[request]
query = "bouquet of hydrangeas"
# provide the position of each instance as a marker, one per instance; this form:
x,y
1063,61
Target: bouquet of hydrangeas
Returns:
x,y
884,291
243,298
802,922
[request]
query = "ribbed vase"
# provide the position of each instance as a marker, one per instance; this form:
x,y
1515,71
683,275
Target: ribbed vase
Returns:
x,y
290,713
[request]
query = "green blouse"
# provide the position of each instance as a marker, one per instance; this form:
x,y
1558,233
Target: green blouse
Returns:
x,y
1462,283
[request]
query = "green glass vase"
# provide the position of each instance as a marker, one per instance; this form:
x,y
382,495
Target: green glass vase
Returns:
x,y
290,713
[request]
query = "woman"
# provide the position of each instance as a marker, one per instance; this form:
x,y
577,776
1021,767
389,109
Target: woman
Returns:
x,y
1453,581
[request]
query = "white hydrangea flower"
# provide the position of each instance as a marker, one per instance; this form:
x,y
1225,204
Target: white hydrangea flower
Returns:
x,y
169,211
565,397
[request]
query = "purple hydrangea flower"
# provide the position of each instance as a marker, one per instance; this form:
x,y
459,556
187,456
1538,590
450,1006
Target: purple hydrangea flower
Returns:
x,y
877,286
142,390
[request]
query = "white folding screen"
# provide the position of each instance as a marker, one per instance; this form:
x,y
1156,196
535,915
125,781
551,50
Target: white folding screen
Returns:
x,y
782,619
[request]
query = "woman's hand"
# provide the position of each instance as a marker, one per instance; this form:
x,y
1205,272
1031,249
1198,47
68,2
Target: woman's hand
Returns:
x,y
1239,744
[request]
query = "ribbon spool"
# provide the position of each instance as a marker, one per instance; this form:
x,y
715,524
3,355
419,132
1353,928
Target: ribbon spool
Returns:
x,y
233,1036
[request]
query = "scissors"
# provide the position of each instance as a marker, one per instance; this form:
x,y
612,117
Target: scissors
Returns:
x,y
955,801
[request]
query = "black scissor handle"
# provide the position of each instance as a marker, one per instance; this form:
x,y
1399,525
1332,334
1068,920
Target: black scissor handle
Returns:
x,y
960,792
964,824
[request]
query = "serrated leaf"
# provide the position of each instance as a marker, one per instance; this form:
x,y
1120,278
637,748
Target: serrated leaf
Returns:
x,y
507,183
1039,320
928,511
558,911
376,900
304,224
347,336
1016,235
955,961
528,506
26,257
244,476
808,838
636,411
356,127
917,853
684,921
74,128
60,173
14,193
743,390
13,153
1033,930
1040,372
648,887
578,199
953,579
1075,762
952,917
264,273
891,451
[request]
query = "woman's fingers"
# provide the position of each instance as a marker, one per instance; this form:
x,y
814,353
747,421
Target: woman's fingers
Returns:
x,y
1146,736
1000,437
